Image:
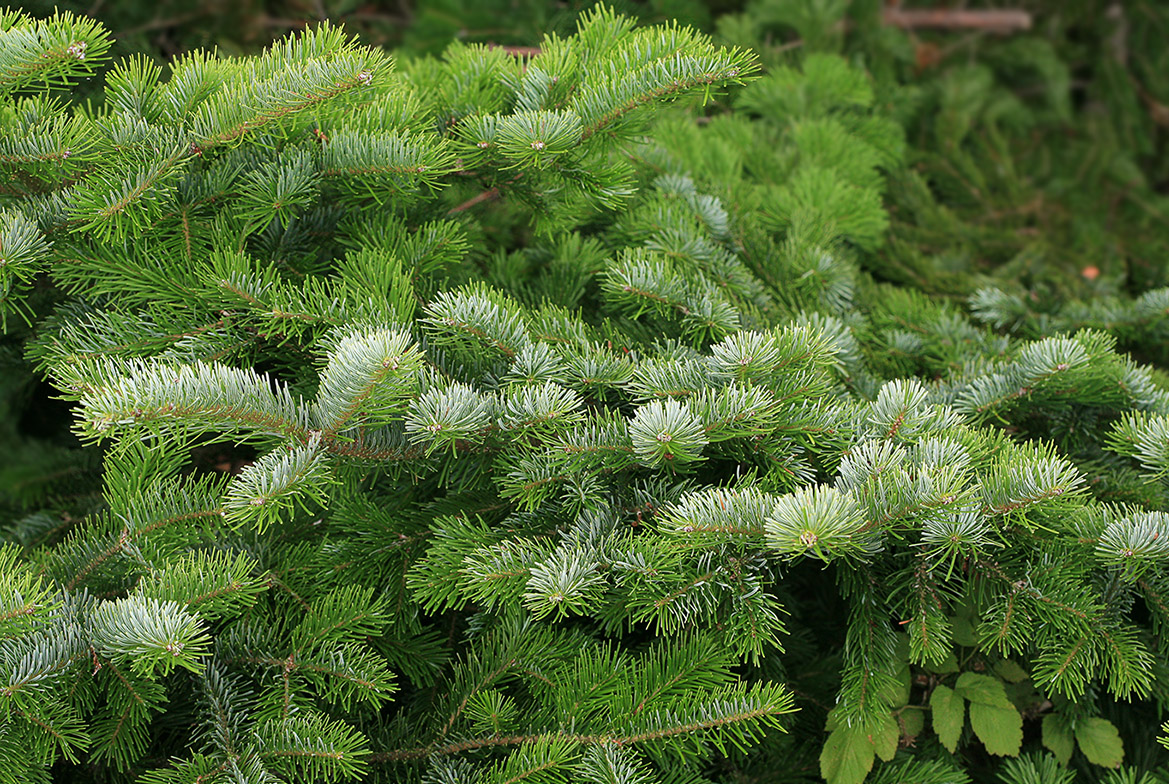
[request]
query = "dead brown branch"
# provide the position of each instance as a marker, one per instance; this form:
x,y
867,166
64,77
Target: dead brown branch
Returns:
x,y
993,21
487,195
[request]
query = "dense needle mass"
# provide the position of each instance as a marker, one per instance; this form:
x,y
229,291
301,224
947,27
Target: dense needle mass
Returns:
x,y
564,437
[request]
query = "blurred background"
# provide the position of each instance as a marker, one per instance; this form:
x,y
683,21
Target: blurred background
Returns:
x,y
171,27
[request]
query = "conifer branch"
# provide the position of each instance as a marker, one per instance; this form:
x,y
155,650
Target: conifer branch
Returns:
x,y
764,711
52,51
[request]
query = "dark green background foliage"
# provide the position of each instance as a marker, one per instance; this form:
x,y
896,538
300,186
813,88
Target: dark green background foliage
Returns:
x,y
592,398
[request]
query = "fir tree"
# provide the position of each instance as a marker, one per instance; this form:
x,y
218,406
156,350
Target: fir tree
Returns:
x,y
574,441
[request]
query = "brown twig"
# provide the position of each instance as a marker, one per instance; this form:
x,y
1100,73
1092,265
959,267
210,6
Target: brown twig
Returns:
x,y
995,21
491,194
487,195
518,51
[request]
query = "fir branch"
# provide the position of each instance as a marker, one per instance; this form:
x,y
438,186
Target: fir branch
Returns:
x,y
51,51
237,112
625,86
218,397
763,706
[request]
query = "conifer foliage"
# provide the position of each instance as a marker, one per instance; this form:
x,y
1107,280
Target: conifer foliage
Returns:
x,y
567,440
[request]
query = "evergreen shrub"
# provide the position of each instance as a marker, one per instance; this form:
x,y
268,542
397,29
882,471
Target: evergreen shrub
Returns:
x,y
1036,190
503,417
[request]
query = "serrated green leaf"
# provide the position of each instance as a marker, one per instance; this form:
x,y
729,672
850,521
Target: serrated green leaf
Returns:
x,y
1010,671
949,714
964,633
912,722
948,665
896,693
1058,738
847,756
999,729
983,689
1100,741
885,737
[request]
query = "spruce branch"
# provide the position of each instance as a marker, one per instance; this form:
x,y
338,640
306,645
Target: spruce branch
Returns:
x,y
370,164
458,414
1143,436
718,515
